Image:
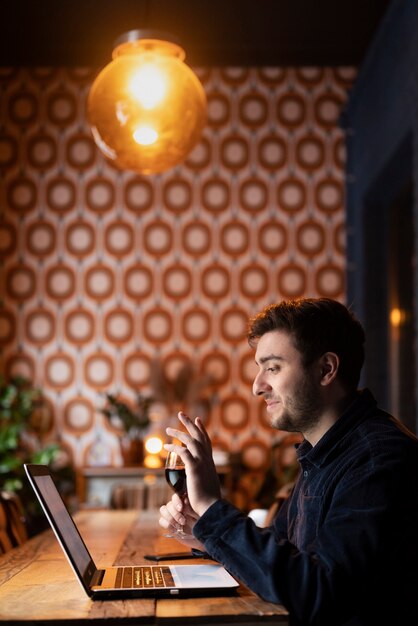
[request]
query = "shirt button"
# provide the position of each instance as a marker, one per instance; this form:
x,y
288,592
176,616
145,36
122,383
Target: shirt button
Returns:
x,y
305,473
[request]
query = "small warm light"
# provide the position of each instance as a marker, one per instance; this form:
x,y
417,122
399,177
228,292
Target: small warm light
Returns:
x,y
397,317
154,445
152,461
145,135
146,108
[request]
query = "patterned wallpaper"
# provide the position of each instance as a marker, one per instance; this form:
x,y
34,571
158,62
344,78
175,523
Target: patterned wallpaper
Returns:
x,y
103,271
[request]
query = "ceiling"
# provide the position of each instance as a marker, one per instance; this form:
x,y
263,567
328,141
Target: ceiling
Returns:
x,y
213,32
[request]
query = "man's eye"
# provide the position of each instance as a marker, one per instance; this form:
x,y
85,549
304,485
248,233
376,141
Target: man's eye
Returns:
x,y
273,369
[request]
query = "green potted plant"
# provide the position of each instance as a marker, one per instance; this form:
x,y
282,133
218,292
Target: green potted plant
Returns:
x,y
24,420
131,422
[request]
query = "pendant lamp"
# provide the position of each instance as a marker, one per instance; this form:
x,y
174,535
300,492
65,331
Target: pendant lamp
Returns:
x,y
147,109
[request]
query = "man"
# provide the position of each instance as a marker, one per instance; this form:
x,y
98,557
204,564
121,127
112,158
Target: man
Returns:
x,y
343,549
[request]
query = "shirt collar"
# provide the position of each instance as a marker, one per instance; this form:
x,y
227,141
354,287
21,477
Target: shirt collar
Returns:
x,y
363,403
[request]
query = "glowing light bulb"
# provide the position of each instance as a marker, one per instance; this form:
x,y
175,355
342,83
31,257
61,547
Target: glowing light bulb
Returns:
x,y
148,86
146,108
145,135
154,445
152,461
397,317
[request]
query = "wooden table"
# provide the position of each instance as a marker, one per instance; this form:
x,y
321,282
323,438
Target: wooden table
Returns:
x,y
37,585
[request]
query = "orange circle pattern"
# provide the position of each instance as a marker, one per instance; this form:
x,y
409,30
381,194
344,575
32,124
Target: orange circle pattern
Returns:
x,y
104,271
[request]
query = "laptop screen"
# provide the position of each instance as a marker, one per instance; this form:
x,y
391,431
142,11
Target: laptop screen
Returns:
x,y
61,522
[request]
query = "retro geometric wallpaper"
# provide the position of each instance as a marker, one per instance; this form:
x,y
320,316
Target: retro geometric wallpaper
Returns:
x,y
104,271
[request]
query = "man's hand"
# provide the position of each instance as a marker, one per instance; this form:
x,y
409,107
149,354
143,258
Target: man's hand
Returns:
x,y
178,512
203,488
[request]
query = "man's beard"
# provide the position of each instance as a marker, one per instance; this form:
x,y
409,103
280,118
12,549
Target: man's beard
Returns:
x,y
302,411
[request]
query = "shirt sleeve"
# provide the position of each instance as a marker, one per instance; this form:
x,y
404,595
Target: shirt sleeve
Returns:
x,y
355,555
248,552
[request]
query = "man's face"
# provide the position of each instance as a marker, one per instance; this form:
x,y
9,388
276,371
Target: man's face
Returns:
x,y
291,391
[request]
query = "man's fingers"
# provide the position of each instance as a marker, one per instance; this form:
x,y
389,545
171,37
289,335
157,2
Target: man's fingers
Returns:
x,y
189,451
184,453
186,438
194,440
178,434
187,423
193,432
171,514
203,431
163,522
196,429
177,501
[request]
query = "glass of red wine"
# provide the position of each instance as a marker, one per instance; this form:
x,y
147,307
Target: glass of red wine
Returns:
x,y
175,475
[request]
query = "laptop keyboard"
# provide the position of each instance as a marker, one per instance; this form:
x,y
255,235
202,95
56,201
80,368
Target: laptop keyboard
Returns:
x,y
143,577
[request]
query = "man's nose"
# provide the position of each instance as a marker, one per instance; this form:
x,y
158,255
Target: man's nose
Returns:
x,y
259,385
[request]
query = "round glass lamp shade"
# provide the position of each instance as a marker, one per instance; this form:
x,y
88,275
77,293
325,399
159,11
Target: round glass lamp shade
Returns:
x,y
147,109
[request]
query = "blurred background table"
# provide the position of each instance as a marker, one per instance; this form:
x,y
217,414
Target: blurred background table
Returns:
x,y
134,487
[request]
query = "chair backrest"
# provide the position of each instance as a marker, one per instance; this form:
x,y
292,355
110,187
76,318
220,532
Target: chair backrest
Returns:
x,y
265,517
15,517
5,543
280,498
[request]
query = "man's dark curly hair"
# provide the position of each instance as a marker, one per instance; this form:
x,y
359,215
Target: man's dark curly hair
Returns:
x,y
317,325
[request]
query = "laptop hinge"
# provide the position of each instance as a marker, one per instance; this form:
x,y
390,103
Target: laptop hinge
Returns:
x,y
97,578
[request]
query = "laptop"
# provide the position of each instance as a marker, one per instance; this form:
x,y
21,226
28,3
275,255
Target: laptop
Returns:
x,y
136,581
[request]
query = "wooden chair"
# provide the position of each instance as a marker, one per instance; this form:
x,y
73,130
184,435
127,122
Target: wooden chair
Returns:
x,y
264,517
13,522
5,543
280,497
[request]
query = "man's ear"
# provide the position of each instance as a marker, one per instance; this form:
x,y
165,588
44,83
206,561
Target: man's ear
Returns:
x,y
329,364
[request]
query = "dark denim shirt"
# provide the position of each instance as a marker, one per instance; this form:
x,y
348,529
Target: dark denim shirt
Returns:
x,y
343,549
